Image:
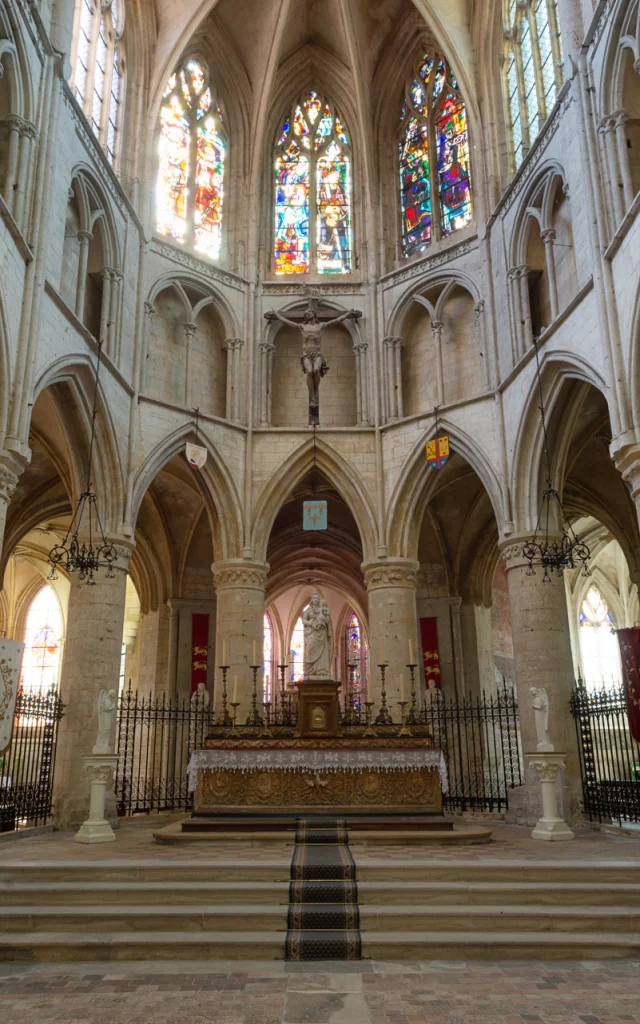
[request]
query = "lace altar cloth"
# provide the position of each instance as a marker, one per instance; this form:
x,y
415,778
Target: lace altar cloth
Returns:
x,y
317,761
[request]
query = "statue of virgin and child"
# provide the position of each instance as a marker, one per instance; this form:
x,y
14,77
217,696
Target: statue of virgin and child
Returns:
x,y
318,639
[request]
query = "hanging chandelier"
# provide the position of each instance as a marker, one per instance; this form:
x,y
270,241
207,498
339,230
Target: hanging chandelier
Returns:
x,y
94,553
545,550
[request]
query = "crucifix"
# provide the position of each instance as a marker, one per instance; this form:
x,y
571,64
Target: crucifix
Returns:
x,y
313,363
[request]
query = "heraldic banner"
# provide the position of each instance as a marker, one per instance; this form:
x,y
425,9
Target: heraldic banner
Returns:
x,y
199,649
430,651
629,640
10,662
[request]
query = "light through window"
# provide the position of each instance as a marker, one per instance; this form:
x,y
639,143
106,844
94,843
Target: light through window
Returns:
x,y
358,655
98,68
598,643
296,652
42,637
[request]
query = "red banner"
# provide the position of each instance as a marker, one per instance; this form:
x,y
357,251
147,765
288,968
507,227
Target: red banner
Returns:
x,y
199,649
629,640
430,651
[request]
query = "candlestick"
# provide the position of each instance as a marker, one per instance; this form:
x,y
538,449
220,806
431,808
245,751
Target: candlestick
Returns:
x,y
411,718
266,704
349,716
254,717
383,717
235,705
369,732
224,718
404,731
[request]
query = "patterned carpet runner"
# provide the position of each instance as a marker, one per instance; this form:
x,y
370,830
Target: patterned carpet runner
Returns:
x,y
324,919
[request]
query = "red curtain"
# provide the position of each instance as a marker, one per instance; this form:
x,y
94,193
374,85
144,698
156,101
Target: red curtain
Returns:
x,y
430,651
629,640
199,649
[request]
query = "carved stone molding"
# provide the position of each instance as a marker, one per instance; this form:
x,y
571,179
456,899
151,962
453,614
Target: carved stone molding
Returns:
x,y
275,288
250,575
11,468
202,267
22,126
426,265
397,573
233,343
546,768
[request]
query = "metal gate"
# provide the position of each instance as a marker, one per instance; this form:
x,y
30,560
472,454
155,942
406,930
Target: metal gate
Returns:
x,y
27,764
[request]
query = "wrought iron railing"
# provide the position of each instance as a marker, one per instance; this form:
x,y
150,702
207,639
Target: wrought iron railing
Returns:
x,y
479,737
609,756
27,765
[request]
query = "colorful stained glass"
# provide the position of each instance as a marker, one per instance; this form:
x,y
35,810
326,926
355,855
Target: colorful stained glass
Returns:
x,y
313,161
358,655
434,115
599,649
296,653
267,658
453,166
43,633
190,192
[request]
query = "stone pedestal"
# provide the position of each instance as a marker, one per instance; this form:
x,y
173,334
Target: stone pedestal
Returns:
x,y
391,589
101,769
91,663
542,652
551,826
240,586
318,708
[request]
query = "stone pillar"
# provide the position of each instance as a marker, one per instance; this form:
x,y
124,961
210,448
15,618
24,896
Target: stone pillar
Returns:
x,y
549,237
61,31
264,388
91,663
233,348
525,308
84,238
389,377
398,345
172,662
391,590
606,129
25,160
364,381
105,310
436,327
514,284
149,313
542,653
13,124
619,118
11,467
240,586
478,309
189,331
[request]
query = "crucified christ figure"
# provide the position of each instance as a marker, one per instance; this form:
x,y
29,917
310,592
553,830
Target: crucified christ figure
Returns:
x,y
314,364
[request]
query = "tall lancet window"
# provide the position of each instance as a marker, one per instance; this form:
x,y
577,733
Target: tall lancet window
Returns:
x,y
313,191
358,655
435,191
598,643
42,639
296,652
192,149
532,70
97,59
267,657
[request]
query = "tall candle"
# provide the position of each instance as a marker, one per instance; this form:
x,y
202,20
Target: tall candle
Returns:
x,y
382,652
235,690
410,652
224,652
402,683
255,653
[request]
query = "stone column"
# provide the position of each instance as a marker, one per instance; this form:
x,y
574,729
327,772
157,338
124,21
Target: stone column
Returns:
x,y
28,136
84,238
436,327
91,663
233,347
619,119
389,375
13,124
266,372
398,345
391,590
606,130
514,284
11,467
105,310
189,331
549,237
542,652
357,353
525,308
478,309
240,586
149,313
172,662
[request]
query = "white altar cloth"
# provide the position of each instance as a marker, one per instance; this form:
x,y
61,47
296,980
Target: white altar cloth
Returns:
x,y
317,761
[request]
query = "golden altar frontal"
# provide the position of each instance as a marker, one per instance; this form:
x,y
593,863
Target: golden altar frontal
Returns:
x,y
318,776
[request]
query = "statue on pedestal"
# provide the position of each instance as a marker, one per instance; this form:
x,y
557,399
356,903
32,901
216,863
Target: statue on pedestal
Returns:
x,y
318,640
314,365
540,705
106,708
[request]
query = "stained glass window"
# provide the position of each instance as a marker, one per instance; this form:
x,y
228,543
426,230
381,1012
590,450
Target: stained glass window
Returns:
x,y
42,638
358,655
98,64
433,151
296,652
313,191
533,70
267,658
192,149
598,643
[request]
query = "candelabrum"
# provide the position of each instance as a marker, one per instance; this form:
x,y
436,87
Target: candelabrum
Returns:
x,y
224,717
369,732
349,711
235,705
383,717
283,692
266,705
404,730
411,717
254,717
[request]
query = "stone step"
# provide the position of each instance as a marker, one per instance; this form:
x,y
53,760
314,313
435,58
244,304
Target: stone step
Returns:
x,y
370,869
199,893
273,917
253,945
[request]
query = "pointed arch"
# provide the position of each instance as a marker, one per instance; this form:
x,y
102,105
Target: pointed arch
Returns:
x,y
417,481
214,480
291,472
210,296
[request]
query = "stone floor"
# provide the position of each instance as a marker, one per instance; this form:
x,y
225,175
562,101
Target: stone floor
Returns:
x,y
367,993
134,840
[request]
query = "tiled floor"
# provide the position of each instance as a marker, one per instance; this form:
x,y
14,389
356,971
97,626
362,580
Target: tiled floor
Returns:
x,y
279,993
510,842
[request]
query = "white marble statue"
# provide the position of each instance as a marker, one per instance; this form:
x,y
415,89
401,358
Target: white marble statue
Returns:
x,y
201,696
540,705
106,709
318,640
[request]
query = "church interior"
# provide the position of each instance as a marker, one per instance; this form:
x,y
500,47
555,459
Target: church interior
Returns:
x,y
319,511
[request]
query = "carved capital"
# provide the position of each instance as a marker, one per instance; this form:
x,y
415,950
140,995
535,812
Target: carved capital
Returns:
x,y
267,346
361,347
436,326
479,307
605,124
84,236
240,574
233,343
149,310
189,330
18,124
548,235
100,767
547,765
627,462
619,117
390,341
11,468
396,573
